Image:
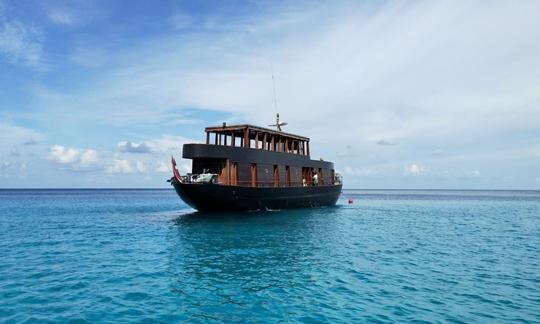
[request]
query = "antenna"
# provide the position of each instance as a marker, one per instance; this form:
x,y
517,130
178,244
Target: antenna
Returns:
x,y
277,124
274,88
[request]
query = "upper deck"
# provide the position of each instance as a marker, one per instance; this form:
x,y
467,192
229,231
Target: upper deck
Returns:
x,y
250,136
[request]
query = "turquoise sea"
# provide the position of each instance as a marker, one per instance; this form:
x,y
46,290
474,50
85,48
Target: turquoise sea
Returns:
x,y
391,256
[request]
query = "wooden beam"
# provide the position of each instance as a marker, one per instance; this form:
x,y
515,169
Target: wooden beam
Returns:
x,y
264,141
272,147
228,172
246,137
207,137
254,175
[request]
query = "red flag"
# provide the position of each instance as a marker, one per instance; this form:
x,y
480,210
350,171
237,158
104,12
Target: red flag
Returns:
x,y
175,170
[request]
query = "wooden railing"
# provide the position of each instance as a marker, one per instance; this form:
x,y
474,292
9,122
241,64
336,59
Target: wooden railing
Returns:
x,y
271,184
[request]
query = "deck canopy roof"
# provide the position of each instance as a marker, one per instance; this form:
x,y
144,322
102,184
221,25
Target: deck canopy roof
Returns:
x,y
251,136
238,131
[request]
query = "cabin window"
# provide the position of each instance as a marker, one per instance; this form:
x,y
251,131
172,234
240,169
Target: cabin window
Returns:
x,y
208,166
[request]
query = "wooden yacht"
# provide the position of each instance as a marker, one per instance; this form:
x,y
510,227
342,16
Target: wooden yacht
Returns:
x,y
245,167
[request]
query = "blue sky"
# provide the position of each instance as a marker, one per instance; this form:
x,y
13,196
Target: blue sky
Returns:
x,y
400,94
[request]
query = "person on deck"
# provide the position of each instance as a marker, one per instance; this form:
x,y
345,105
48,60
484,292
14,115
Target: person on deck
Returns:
x,y
315,179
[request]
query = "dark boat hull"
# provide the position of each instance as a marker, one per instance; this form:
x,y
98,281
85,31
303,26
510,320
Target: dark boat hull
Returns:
x,y
219,198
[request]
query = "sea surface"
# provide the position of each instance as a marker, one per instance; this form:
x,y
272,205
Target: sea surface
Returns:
x,y
390,256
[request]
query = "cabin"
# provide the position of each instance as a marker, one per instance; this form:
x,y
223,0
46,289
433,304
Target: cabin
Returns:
x,y
252,156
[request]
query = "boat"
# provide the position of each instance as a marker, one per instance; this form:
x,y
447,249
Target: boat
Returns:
x,y
246,167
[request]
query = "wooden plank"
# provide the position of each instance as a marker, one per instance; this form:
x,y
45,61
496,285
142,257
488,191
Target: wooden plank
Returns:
x,y
246,137
254,175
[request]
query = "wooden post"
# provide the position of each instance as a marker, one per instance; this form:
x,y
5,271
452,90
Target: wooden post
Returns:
x,y
257,139
232,138
254,175
307,147
287,145
225,137
264,141
228,172
246,137
272,147
215,141
207,137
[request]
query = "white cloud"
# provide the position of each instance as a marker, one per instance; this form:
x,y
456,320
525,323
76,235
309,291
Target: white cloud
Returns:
x,y
163,168
89,158
73,13
140,166
13,135
4,165
12,170
348,170
387,71
63,155
415,169
130,147
168,144
61,17
74,158
120,166
20,43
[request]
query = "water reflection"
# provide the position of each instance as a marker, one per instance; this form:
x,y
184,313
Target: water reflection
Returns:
x,y
239,258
